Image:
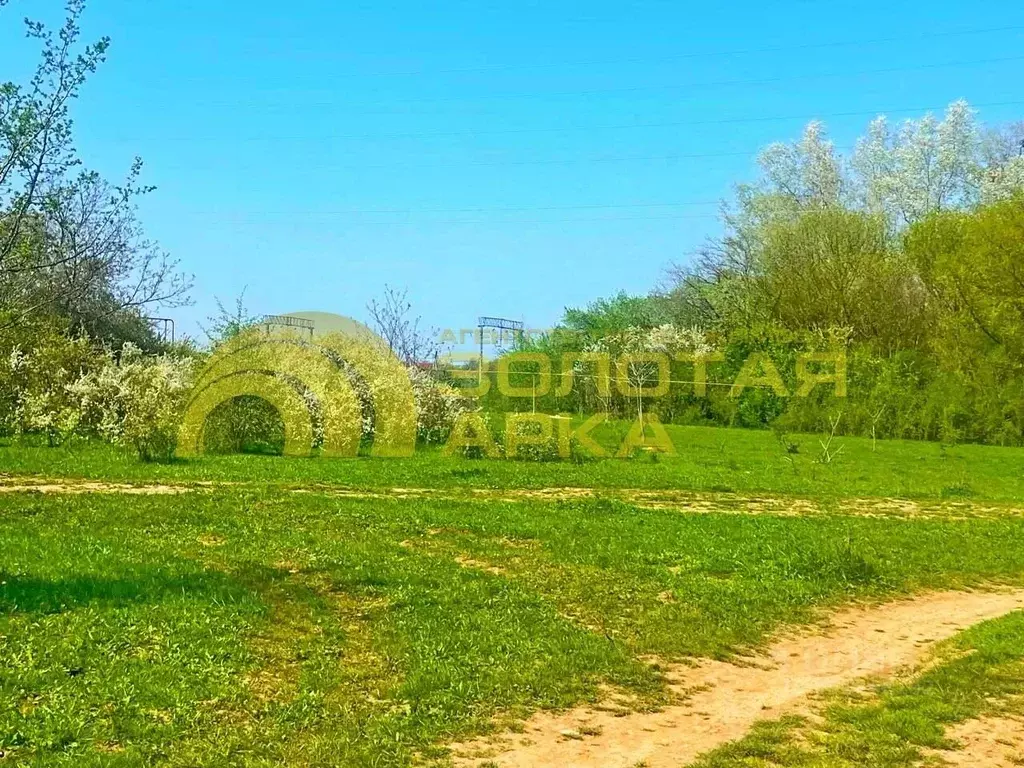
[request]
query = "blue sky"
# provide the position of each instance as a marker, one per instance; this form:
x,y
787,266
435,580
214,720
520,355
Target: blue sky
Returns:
x,y
504,159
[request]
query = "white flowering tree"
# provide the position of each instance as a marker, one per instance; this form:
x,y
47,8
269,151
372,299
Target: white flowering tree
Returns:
x,y
898,173
136,400
902,169
37,383
908,170
438,405
809,171
65,387
638,351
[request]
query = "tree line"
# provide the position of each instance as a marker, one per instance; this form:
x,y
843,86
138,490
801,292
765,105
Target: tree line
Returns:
x,y
908,255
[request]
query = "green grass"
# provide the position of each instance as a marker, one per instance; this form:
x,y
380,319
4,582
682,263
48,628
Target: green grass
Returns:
x,y
259,627
980,672
710,459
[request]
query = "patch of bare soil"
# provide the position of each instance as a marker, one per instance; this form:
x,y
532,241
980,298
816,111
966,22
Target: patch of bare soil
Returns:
x,y
91,487
987,742
721,701
680,501
479,565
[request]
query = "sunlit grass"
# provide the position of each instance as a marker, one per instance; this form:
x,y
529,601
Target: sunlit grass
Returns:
x,y
264,628
709,459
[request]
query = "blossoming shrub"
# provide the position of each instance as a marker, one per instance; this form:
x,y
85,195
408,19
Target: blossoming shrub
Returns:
x,y
304,386
353,391
584,369
438,406
37,382
136,400
64,386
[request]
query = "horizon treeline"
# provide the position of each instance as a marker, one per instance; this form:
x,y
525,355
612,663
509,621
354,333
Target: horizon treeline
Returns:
x,y
908,256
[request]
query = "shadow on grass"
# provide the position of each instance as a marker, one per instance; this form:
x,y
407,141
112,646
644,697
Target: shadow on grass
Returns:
x,y
28,594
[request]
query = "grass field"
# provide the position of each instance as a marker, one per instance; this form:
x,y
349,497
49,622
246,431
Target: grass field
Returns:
x,y
246,623
709,460
256,626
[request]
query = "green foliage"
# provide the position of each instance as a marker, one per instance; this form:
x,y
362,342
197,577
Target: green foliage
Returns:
x,y
36,383
136,400
909,251
931,322
63,386
438,405
835,268
972,265
71,244
244,425
605,317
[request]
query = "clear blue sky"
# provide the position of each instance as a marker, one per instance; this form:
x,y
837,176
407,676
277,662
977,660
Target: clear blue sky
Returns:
x,y
498,158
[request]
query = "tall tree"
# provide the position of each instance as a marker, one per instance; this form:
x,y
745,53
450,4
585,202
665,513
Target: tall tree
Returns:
x,y
922,165
836,268
70,243
973,266
901,174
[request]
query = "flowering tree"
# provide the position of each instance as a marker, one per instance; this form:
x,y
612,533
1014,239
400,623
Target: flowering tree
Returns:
x,y
897,175
37,384
65,387
333,393
438,406
908,171
644,356
70,243
904,170
136,400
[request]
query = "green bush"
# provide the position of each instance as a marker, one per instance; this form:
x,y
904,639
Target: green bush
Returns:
x,y
244,424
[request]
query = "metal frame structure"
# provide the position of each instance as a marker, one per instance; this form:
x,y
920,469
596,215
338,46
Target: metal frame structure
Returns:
x,y
288,322
166,325
500,323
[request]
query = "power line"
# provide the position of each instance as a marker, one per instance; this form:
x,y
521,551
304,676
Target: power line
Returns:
x,y
607,127
778,48
427,222
559,160
516,209
570,160
654,88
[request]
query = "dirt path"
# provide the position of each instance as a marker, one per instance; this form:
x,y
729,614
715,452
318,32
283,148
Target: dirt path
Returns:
x,y
682,501
24,485
725,700
988,742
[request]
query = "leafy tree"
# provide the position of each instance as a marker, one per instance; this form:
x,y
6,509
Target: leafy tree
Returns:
x,y
921,166
901,174
228,323
909,249
835,268
605,317
70,243
973,267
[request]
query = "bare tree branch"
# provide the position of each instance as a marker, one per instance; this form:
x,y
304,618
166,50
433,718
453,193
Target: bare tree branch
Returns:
x,y
392,320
